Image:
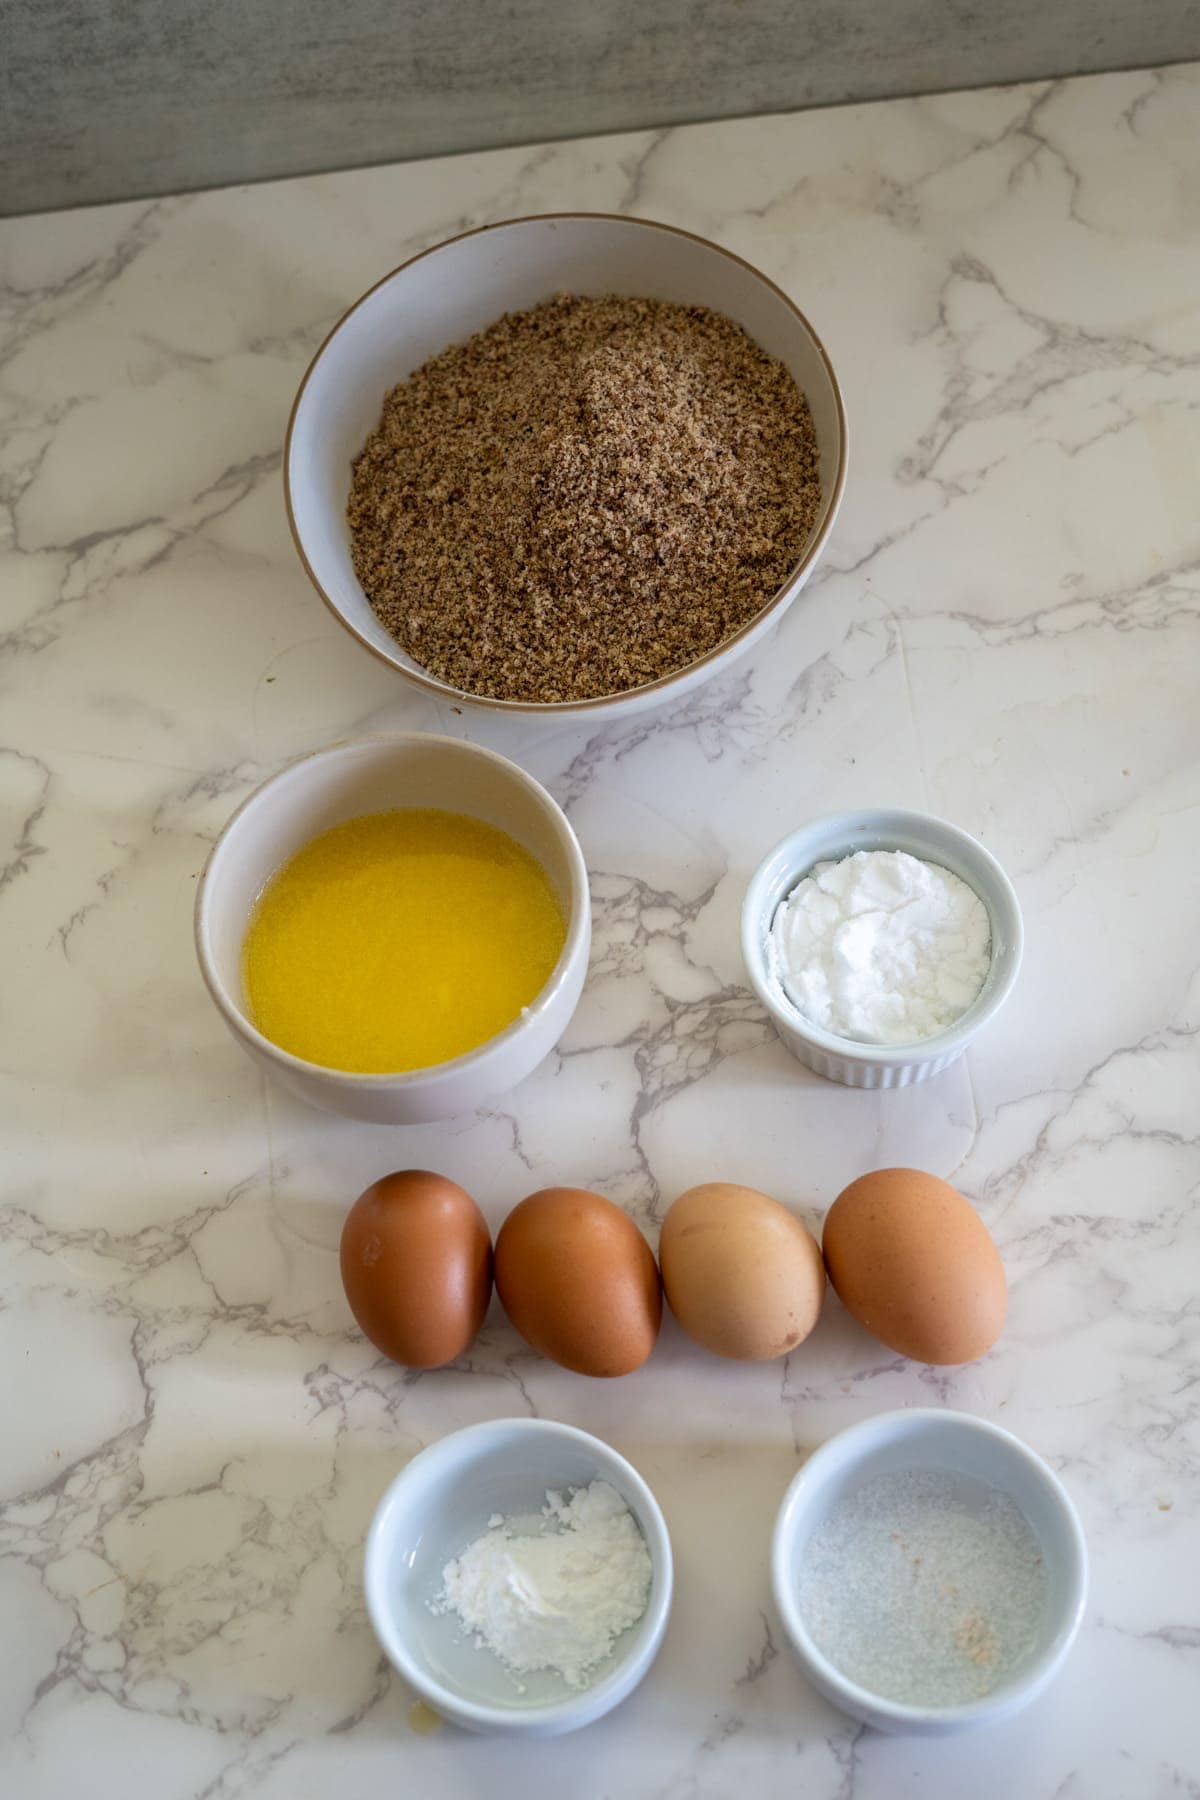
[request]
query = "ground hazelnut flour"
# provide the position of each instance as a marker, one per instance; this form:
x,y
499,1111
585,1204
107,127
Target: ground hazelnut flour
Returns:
x,y
583,497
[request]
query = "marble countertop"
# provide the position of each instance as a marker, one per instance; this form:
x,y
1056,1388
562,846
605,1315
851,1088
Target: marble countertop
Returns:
x,y
1005,630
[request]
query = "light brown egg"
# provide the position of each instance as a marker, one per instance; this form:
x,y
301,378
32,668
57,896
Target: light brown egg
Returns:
x,y
579,1281
915,1264
743,1276
417,1267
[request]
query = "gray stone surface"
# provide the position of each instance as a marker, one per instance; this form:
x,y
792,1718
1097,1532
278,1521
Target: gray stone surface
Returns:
x,y
102,101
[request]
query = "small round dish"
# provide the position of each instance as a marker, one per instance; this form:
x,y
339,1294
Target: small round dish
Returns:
x,y
927,1439
922,835
433,1510
459,287
367,775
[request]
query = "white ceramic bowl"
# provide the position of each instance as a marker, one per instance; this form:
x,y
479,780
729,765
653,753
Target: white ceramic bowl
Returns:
x,y
933,840
928,1439
371,775
435,1508
442,297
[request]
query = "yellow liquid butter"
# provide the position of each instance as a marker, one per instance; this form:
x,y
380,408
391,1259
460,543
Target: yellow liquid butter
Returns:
x,y
398,940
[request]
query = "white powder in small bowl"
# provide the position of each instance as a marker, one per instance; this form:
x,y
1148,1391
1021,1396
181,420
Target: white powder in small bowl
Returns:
x,y
880,947
557,1597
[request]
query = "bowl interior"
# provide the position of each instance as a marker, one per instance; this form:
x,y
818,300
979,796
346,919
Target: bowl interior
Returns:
x,y
443,1502
930,839
462,287
348,780
942,1443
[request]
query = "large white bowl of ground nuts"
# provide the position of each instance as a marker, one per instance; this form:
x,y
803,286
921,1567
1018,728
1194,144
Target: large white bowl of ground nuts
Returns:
x,y
568,464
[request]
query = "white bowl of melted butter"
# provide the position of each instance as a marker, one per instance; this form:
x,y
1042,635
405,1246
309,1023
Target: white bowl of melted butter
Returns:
x,y
357,780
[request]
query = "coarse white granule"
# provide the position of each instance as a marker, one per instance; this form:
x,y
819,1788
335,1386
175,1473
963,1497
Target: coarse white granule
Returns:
x,y
557,1598
925,1585
880,947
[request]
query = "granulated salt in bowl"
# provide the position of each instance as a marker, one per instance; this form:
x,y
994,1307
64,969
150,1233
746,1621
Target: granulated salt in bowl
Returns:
x,y
567,464
930,1572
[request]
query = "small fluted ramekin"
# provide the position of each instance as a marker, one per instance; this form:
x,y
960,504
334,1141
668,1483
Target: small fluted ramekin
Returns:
x,y
344,781
932,840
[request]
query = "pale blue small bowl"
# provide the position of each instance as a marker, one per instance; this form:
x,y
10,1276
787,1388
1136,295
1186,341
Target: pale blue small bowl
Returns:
x,y
933,841
434,1508
928,1438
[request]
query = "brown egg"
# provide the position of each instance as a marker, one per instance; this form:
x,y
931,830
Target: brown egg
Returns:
x,y
743,1276
914,1263
579,1281
417,1267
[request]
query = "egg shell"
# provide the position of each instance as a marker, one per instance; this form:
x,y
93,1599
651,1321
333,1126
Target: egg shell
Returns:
x,y
416,1259
742,1274
915,1264
579,1281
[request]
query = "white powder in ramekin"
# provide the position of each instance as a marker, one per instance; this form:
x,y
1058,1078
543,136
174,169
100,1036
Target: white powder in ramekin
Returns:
x,y
555,1598
880,947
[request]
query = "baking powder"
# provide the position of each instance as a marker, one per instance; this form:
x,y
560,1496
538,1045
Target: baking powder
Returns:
x,y
553,1599
880,947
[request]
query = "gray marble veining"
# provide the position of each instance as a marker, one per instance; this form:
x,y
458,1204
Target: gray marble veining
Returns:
x,y
1005,631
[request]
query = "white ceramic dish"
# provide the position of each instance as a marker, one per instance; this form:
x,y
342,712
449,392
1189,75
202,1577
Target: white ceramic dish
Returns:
x,y
446,294
433,1510
928,1439
371,775
922,835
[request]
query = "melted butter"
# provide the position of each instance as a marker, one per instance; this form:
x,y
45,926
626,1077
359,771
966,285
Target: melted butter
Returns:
x,y
399,939
423,1719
